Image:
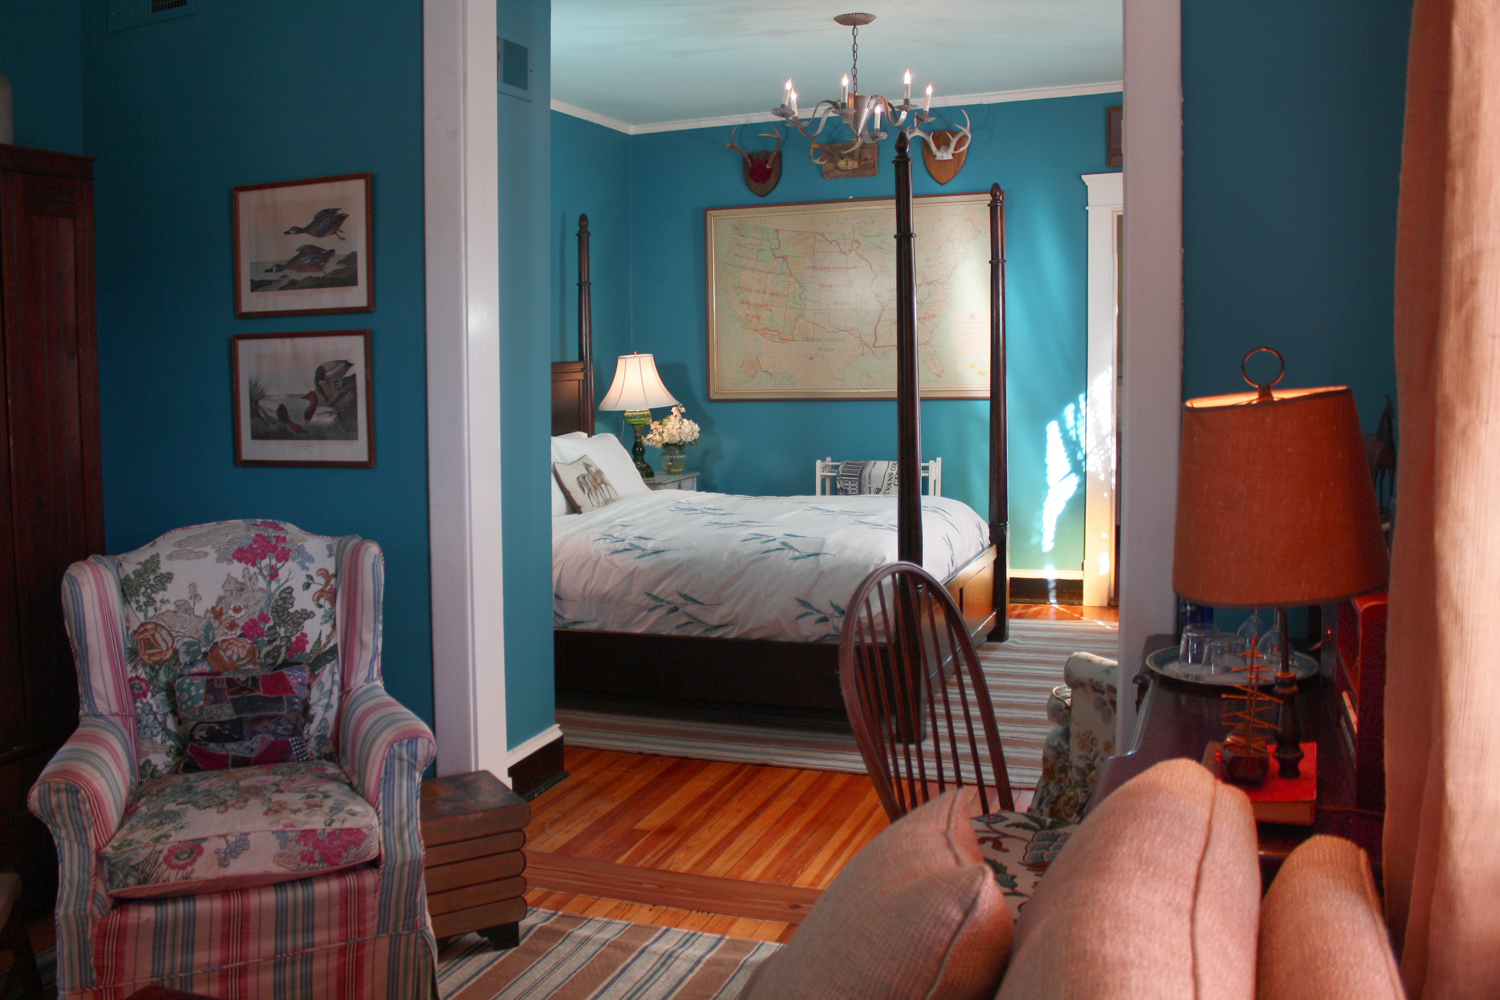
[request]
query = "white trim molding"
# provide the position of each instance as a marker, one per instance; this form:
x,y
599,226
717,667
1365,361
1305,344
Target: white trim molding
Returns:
x,y
1151,390
462,221
724,121
1106,206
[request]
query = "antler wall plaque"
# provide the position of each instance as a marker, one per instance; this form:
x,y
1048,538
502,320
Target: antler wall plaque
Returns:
x,y
945,150
762,168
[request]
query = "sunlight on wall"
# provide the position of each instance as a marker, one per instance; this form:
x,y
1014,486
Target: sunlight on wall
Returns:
x,y
1062,480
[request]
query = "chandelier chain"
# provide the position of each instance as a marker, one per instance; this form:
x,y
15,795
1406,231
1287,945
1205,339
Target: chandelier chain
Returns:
x,y
854,69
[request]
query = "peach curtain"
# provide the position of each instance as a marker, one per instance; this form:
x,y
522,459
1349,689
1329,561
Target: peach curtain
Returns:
x,y
1442,829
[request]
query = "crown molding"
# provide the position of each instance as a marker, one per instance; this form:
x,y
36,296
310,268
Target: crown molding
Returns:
x,y
724,121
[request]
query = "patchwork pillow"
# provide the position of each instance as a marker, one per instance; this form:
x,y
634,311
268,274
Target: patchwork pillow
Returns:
x,y
243,717
917,913
238,829
586,485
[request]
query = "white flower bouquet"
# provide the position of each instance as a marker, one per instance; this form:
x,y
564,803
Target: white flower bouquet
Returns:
x,y
673,429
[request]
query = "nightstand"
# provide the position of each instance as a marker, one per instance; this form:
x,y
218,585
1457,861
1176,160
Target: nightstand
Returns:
x,y
673,481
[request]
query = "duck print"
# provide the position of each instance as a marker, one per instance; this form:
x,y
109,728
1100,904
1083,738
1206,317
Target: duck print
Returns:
x,y
273,410
308,259
328,222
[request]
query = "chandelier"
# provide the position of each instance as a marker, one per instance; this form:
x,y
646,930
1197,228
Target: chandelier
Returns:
x,y
862,113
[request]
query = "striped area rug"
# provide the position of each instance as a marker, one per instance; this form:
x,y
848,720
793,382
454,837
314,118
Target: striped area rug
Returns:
x,y
1022,671
569,957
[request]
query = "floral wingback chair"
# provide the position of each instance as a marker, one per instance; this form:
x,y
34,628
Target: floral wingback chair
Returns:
x,y
236,813
1084,739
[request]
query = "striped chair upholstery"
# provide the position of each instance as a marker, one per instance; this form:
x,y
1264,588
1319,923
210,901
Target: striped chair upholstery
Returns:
x,y
132,621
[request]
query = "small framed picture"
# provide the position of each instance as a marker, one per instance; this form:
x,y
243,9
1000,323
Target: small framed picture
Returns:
x,y
303,399
303,247
1114,137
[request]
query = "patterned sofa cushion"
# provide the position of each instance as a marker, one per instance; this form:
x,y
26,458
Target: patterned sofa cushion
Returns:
x,y
211,831
243,717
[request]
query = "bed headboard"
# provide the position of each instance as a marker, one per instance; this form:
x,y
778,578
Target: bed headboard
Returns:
x,y
573,381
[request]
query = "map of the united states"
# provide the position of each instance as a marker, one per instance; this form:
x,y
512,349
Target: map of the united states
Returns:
x,y
804,298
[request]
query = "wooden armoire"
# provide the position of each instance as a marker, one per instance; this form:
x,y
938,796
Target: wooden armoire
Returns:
x,y
51,496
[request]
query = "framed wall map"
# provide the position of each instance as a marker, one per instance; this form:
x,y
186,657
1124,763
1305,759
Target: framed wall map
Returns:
x,y
802,299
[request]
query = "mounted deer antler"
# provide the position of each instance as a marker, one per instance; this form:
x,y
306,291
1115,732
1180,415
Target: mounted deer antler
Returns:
x,y
945,151
762,168
950,138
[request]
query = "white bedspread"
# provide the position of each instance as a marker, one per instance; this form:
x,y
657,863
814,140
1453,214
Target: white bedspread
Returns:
x,y
714,564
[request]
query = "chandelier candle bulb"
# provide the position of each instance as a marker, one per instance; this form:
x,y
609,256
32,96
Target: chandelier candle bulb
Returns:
x,y
793,95
927,104
844,97
906,86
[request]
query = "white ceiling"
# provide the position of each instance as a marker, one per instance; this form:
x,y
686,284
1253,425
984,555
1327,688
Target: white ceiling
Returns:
x,y
643,64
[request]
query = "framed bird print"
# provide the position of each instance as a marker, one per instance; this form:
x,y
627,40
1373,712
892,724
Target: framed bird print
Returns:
x,y
303,399
303,247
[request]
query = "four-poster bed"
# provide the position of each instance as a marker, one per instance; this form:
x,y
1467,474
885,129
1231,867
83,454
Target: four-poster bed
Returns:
x,y
776,672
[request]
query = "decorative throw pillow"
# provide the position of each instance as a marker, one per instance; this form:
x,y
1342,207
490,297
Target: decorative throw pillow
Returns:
x,y
917,913
586,485
858,477
243,717
605,451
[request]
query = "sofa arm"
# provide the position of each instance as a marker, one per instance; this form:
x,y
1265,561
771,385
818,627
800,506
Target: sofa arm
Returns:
x,y
378,733
1092,716
81,795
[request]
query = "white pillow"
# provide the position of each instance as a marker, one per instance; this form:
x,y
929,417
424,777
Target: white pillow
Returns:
x,y
609,454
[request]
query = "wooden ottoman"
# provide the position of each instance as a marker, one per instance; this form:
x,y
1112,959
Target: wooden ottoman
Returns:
x,y
473,829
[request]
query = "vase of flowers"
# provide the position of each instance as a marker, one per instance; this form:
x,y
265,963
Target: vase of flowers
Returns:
x,y
672,434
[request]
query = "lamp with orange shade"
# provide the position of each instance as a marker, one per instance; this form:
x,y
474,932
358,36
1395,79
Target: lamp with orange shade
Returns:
x,y
1276,508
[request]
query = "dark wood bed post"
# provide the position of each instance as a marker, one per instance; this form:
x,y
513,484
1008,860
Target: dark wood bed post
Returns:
x,y
908,401
585,324
999,443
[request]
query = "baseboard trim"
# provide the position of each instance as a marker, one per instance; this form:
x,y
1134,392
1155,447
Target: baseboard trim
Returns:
x,y
1035,590
537,764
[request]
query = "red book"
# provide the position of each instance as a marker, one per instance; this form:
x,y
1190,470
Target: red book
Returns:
x,y
1280,800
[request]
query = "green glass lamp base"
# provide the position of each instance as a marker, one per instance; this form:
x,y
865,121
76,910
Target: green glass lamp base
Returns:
x,y
639,419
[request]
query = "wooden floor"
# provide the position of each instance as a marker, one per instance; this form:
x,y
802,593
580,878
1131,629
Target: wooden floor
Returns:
x,y
737,849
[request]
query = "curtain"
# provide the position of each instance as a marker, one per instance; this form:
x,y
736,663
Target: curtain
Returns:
x,y
1442,828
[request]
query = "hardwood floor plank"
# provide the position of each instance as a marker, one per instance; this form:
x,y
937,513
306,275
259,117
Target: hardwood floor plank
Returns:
x,y
703,893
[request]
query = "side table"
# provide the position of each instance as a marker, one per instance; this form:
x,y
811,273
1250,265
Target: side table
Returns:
x,y
1177,719
673,481
473,829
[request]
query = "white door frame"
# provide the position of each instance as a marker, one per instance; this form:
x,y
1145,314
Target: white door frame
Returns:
x,y
1106,205
1151,362
462,240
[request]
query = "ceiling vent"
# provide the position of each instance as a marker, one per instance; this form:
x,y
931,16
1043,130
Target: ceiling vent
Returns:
x,y
513,68
134,13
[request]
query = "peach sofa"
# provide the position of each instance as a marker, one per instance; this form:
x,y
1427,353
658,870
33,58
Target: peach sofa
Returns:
x,y
1157,895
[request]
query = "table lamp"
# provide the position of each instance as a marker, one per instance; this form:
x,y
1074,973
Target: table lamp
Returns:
x,y
636,389
1276,508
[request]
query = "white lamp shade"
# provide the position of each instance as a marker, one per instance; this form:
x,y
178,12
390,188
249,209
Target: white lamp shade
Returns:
x,y
636,385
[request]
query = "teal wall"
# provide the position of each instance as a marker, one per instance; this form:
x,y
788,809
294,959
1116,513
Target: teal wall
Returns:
x,y
590,176
1036,150
525,377
1292,119
178,113
40,53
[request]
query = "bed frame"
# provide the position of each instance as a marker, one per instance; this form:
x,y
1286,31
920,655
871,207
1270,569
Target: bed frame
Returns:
x,y
800,675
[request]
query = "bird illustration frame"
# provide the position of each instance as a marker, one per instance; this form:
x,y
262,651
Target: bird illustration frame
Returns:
x,y
303,399
304,247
